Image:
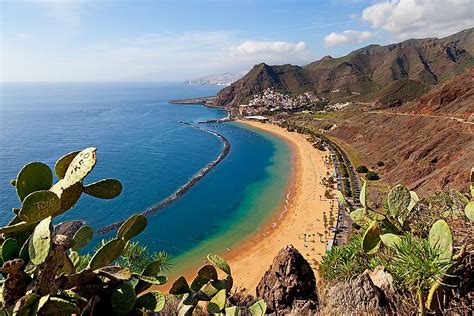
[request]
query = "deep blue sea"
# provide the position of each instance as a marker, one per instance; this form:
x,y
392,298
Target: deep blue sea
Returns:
x,y
141,143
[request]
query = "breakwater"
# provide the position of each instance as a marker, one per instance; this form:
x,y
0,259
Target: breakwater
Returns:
x,y
185,187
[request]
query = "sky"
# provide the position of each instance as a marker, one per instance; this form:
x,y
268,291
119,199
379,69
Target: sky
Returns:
x,y
166,40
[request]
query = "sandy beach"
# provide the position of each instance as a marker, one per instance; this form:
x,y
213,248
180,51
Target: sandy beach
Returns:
x,y
300,220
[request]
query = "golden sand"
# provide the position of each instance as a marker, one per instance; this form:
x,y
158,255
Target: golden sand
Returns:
x,y
299,222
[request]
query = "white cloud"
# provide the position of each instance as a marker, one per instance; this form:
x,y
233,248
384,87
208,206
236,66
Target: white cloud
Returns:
x,y
150,56
346,37
255,48
420,18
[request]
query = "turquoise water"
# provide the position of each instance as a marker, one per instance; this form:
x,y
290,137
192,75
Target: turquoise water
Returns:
x,y
140,142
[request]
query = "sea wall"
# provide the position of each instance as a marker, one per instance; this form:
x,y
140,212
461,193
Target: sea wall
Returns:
x,y
185,187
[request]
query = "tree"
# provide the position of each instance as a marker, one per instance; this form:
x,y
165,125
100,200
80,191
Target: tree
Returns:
x,y
372,175
362,169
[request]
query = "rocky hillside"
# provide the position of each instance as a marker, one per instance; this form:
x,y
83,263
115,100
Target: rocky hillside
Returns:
x,y
427,144
389,74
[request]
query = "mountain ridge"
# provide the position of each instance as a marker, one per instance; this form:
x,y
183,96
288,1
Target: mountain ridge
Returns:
x,y
389,74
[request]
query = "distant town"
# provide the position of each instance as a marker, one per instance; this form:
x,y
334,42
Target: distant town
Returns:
x,y
273,101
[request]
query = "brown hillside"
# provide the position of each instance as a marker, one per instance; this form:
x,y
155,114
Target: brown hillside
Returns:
x,y
391,74
422,144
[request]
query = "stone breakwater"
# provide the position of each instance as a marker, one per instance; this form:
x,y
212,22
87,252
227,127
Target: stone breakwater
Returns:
x,y
185,187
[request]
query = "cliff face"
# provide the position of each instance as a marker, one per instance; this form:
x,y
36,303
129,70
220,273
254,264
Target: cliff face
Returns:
x,y
390,74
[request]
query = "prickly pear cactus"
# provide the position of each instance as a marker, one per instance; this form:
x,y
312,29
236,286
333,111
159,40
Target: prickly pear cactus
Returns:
x,y
82,237
107,253
390,240
441,238
40,242
123,298
398,200
104,189
80,166
34,176
63,163
219,262
39,205
371,239
259,308
151,302
217,303
132,227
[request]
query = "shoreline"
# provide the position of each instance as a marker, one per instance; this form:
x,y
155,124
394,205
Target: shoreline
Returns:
x,y
297,220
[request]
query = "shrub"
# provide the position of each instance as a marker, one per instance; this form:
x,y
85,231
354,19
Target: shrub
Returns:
x,y
372,175
362,169
380,163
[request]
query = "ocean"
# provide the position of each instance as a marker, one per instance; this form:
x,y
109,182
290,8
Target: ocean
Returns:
x,y
141,142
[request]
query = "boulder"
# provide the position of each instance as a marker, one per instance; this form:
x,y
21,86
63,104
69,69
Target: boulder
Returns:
x,y
357,297
289,285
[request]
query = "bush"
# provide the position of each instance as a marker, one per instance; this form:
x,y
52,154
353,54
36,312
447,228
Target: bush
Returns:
x,y
380,164
362,169
372,175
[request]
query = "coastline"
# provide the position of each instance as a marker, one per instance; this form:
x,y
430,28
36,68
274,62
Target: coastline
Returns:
x,y
302,214
299,214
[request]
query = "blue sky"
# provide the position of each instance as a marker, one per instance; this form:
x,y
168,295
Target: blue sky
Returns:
x,y
109,40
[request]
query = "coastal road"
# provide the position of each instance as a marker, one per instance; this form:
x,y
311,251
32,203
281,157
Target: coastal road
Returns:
x,y
460,120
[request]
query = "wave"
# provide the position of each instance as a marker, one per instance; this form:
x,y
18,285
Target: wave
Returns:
x,y
185,187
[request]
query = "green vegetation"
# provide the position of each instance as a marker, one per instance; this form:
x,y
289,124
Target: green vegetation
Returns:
x,y
362,169
411,239
372,175
207,287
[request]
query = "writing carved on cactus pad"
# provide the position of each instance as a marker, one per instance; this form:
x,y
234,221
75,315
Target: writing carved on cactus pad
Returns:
x,y
51,203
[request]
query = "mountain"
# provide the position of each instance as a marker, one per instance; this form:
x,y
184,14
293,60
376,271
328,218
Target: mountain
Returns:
x,y
224,79
390,74
426,144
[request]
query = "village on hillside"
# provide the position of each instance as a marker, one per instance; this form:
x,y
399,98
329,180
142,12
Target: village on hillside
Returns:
x,y
270,101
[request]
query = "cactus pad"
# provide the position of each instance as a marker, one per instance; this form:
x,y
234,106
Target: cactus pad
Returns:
x,y
259,308
371,239
358,216
209,290
55,304
10,249
158,280
34,176
390,240
104,189
180,286
132,227
12,228
217,303
440,237
39,205
398,200
152,269
82,237
107,253
40,242
205,274
469,211
219,262
63,163
151,302
363,194
68,194
80,166
123,298
414,199
232,311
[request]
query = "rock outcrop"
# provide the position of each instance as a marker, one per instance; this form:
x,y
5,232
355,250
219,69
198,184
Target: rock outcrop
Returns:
x,y
357,297
289,285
